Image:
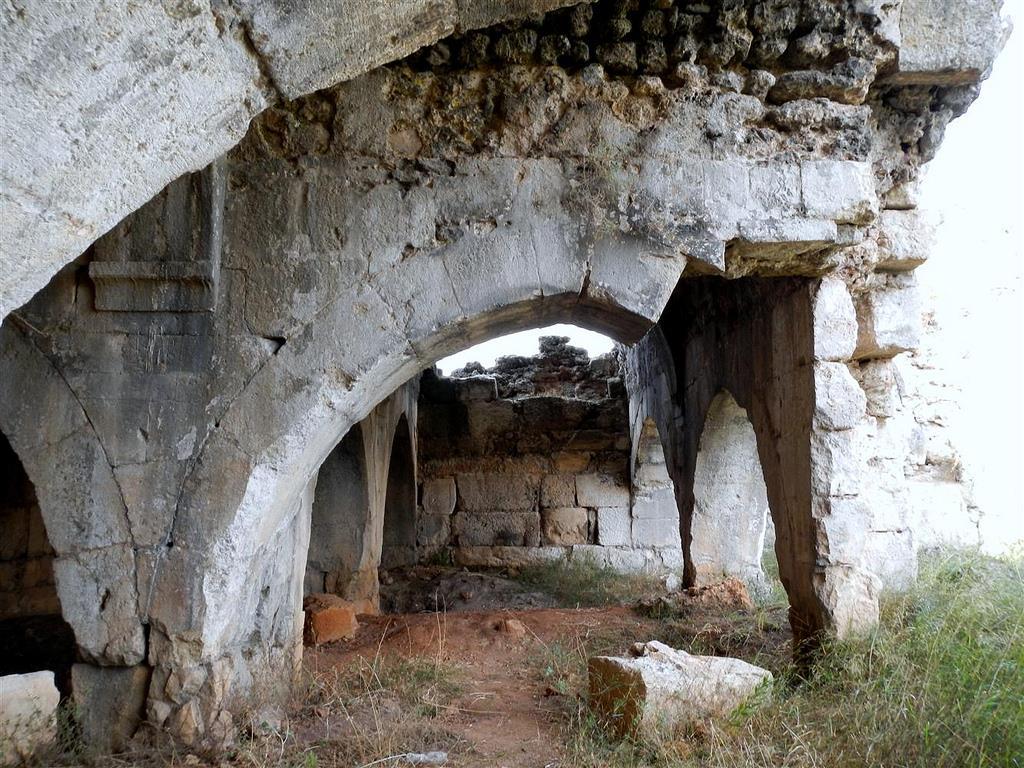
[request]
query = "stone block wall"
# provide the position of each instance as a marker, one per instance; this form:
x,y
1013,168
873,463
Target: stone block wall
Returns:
x,y
512,470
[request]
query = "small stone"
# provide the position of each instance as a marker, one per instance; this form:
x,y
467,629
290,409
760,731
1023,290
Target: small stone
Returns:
x,y
652,24
328,618
758,83
553,47
474,49
579,20
516,47
514,628
579,53
617,29
439,55
617,57
653,58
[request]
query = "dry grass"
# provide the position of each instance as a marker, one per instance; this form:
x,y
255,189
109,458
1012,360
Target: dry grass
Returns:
x,y
940,684
581,583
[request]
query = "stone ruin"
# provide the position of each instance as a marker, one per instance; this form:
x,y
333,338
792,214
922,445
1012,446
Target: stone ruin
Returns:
x,y
530,460
235,233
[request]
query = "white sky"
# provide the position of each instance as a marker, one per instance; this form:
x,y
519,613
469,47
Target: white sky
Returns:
x,y
973,282
526,343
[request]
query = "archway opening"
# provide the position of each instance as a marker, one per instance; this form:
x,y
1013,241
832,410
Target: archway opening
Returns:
x,y
340,514
655,512
399,541
33,633
730,509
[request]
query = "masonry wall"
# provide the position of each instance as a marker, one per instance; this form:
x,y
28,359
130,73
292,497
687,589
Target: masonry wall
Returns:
x,y
518,478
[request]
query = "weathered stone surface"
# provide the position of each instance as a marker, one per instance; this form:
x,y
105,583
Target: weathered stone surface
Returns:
x,y
497,557
328,618
28,717
562,526
376,226
558,491
656,532
438,496
905,240
491,492
729,495
839,402
593,490
614,527
888,319
948,42
659,688
835,321
851,595
498,529
432,531
109,703
843,192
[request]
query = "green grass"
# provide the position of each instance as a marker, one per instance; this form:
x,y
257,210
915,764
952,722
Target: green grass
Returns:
x,y
581,582
939,684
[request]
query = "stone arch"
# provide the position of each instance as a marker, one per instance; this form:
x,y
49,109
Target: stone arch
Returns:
x,y
245,493
399,524
730,510
339,517
80,500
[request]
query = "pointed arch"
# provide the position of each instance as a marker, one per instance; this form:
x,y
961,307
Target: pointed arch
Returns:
x,y
730,499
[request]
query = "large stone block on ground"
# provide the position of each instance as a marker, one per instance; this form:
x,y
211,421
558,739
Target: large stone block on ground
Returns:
x,y
511,528
658,688
109,703
328,618
595,490
614,527
563,526
490,492
28,726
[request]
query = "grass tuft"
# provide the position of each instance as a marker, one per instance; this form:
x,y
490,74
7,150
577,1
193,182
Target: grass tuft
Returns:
x,y
939,684
584,583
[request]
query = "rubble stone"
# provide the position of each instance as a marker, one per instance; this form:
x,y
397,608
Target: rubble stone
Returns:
x,y
658,688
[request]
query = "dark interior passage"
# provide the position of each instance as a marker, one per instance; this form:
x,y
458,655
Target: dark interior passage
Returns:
x,y
33,634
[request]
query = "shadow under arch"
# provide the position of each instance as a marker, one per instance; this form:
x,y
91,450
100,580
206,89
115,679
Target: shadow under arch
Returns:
x,y
754,338
33,633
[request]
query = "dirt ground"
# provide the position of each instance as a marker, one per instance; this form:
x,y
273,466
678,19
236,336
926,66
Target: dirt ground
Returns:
x,y
508,682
